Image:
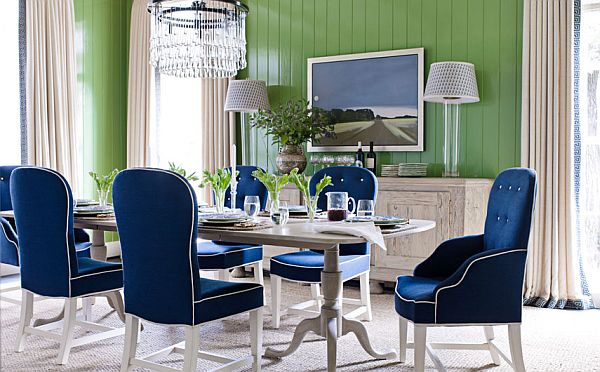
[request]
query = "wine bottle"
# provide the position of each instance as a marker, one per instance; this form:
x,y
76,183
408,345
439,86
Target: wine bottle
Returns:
x,y
359,159
371,158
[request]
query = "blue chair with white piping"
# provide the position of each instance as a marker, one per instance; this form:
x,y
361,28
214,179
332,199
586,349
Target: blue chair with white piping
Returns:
x,y
224,256
306,266
9,243
474,280
157,218
50,267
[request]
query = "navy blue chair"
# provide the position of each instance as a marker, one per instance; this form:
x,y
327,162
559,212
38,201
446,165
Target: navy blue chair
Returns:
x,y
306,266
225,256
9,243
475,280
9,249
50,267
157,218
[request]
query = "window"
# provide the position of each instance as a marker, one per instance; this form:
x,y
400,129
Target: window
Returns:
x,y
10,126
176,134
588,142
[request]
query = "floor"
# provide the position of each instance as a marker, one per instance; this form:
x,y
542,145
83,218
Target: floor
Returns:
x,y
553,340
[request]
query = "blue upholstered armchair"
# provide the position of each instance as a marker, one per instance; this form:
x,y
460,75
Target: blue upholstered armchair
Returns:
x,y
161,277
306,266
474,280
224,256
9,243
50,267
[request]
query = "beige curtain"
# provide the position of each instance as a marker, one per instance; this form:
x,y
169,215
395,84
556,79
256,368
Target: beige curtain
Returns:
x,y
140,90
553,276
218,127
50,87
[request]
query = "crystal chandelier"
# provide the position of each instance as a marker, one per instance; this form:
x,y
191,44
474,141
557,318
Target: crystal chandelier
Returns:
x,y
205,39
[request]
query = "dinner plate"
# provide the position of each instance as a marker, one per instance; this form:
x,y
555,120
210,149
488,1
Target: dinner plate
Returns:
x,y
379,220
222,222
299,210
93,210
222,216
85,202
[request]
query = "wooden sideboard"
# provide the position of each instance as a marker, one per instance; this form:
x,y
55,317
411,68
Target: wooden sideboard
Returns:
x,y
457,205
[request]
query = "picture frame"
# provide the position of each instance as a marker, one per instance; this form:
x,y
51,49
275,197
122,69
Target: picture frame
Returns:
x,y
375,96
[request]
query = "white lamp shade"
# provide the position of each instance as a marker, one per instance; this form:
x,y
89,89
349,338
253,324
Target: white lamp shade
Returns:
x,y
247,96
451,82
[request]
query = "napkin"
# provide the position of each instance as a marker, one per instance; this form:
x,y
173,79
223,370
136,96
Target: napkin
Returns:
x,y
366,230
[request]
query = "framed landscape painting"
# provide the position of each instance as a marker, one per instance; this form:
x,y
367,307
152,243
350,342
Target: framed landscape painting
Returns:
x,y
369,97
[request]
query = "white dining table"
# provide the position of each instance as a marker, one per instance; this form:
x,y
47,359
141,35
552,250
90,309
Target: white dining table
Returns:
x,y
330,323
297,233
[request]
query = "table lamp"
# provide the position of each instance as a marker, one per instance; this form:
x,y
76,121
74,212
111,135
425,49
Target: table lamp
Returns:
x,y
451,83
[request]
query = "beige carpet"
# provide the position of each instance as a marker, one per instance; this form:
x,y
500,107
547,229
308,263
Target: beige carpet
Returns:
x,y
553,340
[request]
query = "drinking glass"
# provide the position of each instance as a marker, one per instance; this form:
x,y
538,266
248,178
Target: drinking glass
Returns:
x,y
251,205
365,208
280,215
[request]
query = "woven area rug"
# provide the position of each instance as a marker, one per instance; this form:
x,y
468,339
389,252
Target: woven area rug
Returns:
x,y
553,340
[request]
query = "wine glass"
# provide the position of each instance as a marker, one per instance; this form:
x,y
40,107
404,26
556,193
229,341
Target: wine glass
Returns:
x,y
251,205
348,160
365,208
314,160
280,215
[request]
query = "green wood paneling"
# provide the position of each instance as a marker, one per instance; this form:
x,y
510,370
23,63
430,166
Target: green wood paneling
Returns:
x,y
102,34
282,34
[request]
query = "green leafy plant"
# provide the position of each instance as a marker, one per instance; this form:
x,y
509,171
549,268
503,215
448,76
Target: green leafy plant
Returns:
x,y
294,123
182,172
274,183
302,183
104,183
219,181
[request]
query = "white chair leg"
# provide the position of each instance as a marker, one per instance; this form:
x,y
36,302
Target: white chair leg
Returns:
x,y
257,267
403,330
315,292
420,344
26,315
275,300
365,296
87,308
489,336
67,336
131,341
192,344
256,338
516,351
224,275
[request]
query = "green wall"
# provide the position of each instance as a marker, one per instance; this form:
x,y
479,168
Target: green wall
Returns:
x,y
102,42
102,33
282,34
